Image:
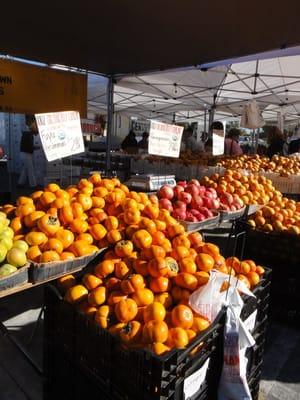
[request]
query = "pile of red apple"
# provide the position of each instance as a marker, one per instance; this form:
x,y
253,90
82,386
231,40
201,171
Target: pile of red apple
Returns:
x,y
191,202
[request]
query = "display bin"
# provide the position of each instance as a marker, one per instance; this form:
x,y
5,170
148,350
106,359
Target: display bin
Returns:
x,y
18,278
126,374
40,272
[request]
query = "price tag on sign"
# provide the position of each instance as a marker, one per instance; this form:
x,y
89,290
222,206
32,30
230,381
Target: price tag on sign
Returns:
x,y
193,383
60,134
164,139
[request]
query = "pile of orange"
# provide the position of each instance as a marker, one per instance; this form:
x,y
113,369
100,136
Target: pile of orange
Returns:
x,y
140,291
251,189
279,215
285,166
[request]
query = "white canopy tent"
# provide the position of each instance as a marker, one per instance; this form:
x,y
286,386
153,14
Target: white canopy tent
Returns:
x,y
190,93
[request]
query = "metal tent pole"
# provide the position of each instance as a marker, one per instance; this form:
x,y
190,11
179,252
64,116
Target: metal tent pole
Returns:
x,y
205,115
110,114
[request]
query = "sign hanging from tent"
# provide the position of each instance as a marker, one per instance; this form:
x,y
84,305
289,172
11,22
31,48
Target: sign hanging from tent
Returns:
x,y
218,137
60,134
164,139
28,89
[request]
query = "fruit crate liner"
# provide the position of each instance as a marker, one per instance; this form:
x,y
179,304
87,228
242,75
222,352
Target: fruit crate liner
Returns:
x,y
207,223
231,215
40,272
18,278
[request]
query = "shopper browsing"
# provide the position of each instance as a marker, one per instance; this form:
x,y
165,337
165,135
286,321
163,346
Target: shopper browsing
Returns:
x,y
191,142
232,147
27,148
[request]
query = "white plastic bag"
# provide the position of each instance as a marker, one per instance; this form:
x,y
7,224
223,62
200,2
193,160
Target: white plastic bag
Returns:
x,y
251,117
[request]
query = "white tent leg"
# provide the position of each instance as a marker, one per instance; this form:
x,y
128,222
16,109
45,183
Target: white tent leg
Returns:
x,y
110,114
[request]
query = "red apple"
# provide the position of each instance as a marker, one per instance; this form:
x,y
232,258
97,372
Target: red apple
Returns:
x,y
178,189
203,211
166,204
212,191
182,183
179,205
233,208
179,214
194,182
227,198
210,214
202,190
185,197
224,207
190,217
207,202
215,204
166,192
192,189
197,202
201,217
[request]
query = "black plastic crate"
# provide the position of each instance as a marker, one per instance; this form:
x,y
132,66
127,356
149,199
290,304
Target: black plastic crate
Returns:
x,y
139,374
254,381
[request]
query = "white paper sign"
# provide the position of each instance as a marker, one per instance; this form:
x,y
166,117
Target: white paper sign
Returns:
x,y
193,383
249,323
164,139
218,142
60,134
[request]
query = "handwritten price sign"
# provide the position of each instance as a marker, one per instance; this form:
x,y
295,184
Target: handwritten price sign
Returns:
x,y
60,133
164,139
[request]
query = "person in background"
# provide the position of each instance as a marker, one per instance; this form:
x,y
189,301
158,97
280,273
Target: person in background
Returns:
x,y
216,125
275,141
143,144
27,148
191,142
208,145
293,142
130,142
232,147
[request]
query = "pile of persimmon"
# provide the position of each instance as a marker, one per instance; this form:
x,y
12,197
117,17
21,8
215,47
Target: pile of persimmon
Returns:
x,y
140,290
251,189
279,215
285,166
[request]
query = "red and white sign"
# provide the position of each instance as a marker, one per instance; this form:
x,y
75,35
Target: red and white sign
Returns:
x,y
164,139
90,127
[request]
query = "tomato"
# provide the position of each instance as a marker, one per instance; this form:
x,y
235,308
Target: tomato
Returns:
x,y
25,209
195,239
91,281
186,281
160,348
124,248
142,239
132,216
126,310
79,226
49,256
54,244
31,219
191,334
113,284
47,198
83,183
158,267
102,316
158,238
100,192
181,240
77,209
180,252
116,329
182,316
152,211
160,284
104,268
52,187
48,224
97,296
132,283
98,231
140,266
80,248
172,266
148,225
131,333
202,277
115,297
205,262
87,309
76,294
22,200
114,236
155,311
164,298
67,255
36,238
188,265
180,294
66,215
177,338
95,179
122,270
155,331
34,253
174,230
166,244
66,282
143,297
16,225
200,324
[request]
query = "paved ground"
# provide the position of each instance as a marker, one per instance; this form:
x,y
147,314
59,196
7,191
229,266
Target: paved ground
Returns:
x,y
19,381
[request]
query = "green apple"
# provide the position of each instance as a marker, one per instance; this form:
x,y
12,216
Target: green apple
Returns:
x,y
7,242
21,244
7,231
7,269
3,252
16,257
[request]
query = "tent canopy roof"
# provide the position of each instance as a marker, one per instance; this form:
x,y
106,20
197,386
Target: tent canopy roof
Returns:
x,y
121,37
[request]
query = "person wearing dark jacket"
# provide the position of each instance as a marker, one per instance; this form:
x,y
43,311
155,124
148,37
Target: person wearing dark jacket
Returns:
x,y
129,142
275,140
27,148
